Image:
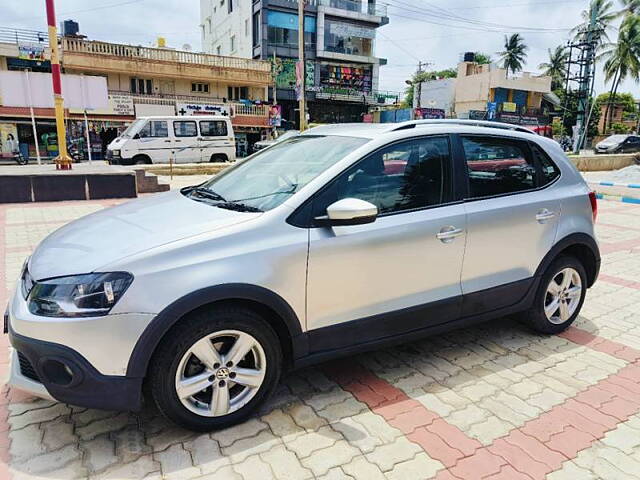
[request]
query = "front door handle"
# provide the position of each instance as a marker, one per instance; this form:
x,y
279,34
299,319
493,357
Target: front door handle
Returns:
x,y
449,234
545,215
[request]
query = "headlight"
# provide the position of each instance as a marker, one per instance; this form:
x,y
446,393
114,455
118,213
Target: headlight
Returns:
x,y
90,295
115,153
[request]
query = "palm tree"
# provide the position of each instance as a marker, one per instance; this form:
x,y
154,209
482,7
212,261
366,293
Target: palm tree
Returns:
x,y
622,59
556,66
630,7
514,54
604,13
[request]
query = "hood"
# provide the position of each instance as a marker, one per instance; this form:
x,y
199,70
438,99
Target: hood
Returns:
x,y
101,238
117,143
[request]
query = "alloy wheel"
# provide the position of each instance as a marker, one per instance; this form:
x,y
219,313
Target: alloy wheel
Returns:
x,y
220,373
563,296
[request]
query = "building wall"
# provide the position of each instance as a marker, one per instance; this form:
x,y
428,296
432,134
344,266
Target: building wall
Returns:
x,y
218,26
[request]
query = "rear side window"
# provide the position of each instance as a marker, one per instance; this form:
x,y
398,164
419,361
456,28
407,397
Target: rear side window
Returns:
x,y
498,166
185,129
548,170
154,128
215,128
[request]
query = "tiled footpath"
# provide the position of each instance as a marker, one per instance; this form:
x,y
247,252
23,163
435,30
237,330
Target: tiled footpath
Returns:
x,y
495,401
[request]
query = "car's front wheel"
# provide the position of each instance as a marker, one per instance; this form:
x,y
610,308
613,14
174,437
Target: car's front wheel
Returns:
x,y
560,296
215,368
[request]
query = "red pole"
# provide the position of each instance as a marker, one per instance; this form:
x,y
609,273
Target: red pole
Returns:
x,y
63,161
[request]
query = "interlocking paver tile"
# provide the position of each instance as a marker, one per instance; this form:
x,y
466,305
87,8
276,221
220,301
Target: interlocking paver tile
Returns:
x,y
492,401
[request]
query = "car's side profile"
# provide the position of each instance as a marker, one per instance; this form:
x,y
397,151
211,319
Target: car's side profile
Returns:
x,y
339,240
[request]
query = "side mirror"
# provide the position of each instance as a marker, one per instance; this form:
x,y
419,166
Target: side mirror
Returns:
x,y
348,211
136,136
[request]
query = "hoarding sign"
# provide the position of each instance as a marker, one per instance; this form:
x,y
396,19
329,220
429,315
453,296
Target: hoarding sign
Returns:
x,y
204,109
275,115
31,51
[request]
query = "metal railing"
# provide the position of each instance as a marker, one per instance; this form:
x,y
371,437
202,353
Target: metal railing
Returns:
x,y
72,45
360,6
17,35
172,99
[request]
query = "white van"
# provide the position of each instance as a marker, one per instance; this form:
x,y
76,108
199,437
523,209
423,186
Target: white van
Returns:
x,y
201,138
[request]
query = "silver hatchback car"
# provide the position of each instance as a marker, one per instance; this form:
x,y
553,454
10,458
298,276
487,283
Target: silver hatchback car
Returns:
x,y
342,239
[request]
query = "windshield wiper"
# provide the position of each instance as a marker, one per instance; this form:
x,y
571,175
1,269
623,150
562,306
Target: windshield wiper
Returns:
x,y
238,207
206,193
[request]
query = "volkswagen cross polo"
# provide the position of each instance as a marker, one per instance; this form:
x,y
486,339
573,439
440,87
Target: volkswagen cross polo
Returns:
x,y
342,239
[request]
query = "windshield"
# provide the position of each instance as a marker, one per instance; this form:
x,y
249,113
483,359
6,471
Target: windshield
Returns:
x,y
615,139
270,177
288,134
133,128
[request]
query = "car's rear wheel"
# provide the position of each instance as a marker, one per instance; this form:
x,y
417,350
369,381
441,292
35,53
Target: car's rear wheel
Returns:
x,y
216,368
560,296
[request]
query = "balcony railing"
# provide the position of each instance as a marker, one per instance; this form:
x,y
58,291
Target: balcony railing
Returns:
x,y
171,99
360,6
72,45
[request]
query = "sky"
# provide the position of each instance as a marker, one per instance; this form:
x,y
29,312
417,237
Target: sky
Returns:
x,y
434,31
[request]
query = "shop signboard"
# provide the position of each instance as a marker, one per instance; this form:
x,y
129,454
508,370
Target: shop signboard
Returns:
x,y
204,109
119,104
350,30
478,115
428,113
509,107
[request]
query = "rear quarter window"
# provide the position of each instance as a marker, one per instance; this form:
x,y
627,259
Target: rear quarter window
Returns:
x,y
548,170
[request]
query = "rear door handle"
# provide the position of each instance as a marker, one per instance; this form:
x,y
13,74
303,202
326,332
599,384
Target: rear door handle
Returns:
x,y
449,234
545,215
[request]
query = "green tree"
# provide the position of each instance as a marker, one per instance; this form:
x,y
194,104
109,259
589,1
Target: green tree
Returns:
x,y
425,77
556,66
630,7
604,13
514,54
622,60
483,58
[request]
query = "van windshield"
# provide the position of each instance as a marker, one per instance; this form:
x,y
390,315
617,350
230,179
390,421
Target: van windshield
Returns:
x,y
268,178
133,128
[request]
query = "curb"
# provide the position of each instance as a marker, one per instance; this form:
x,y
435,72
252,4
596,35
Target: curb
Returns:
x,y
617,198
613,184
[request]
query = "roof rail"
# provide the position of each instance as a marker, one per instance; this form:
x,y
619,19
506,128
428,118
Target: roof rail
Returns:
x,y
475,123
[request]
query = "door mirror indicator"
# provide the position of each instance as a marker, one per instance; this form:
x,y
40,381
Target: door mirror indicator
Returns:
x,y
348,211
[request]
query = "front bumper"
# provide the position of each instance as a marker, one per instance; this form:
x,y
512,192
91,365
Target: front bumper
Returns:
x,y
81,361
57,372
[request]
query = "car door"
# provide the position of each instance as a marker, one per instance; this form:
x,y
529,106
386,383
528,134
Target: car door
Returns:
x,y
186,145
400,273
214,139
511,220
631,144
154,141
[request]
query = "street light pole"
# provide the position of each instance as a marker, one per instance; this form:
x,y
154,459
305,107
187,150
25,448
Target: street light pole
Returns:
x,y
301,69
63,162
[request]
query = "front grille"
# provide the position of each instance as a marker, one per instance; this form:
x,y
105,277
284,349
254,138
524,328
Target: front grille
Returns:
x,y
26,369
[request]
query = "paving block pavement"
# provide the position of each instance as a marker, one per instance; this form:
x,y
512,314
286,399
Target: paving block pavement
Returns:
x,y
493,401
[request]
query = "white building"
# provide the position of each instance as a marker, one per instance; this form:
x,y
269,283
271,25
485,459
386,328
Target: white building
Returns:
x,y
341,67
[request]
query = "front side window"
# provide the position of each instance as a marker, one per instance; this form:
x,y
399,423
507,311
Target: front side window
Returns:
x,y
405,176
185,129
215,128
497,166
270,177
154,128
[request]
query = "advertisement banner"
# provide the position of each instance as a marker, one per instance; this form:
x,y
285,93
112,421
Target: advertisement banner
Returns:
x,y
275,116
31,51
509,107
299,87
285,71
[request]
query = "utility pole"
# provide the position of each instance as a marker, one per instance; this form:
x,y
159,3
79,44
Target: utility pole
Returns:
x,y
418,88
586,78
63,161
301,69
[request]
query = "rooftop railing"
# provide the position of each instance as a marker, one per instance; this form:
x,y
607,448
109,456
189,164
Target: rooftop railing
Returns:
x,y
17,35
72,45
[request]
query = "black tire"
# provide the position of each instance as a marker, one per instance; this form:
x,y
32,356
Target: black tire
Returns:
x,y
141,160
177,342
536,317
219,158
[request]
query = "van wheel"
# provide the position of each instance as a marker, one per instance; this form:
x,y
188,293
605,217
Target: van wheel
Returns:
x,y
215,368
141,160
560,296
219,158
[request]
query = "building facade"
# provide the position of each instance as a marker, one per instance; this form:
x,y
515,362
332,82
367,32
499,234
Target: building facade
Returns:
x,y
488,92
342,70
141,81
